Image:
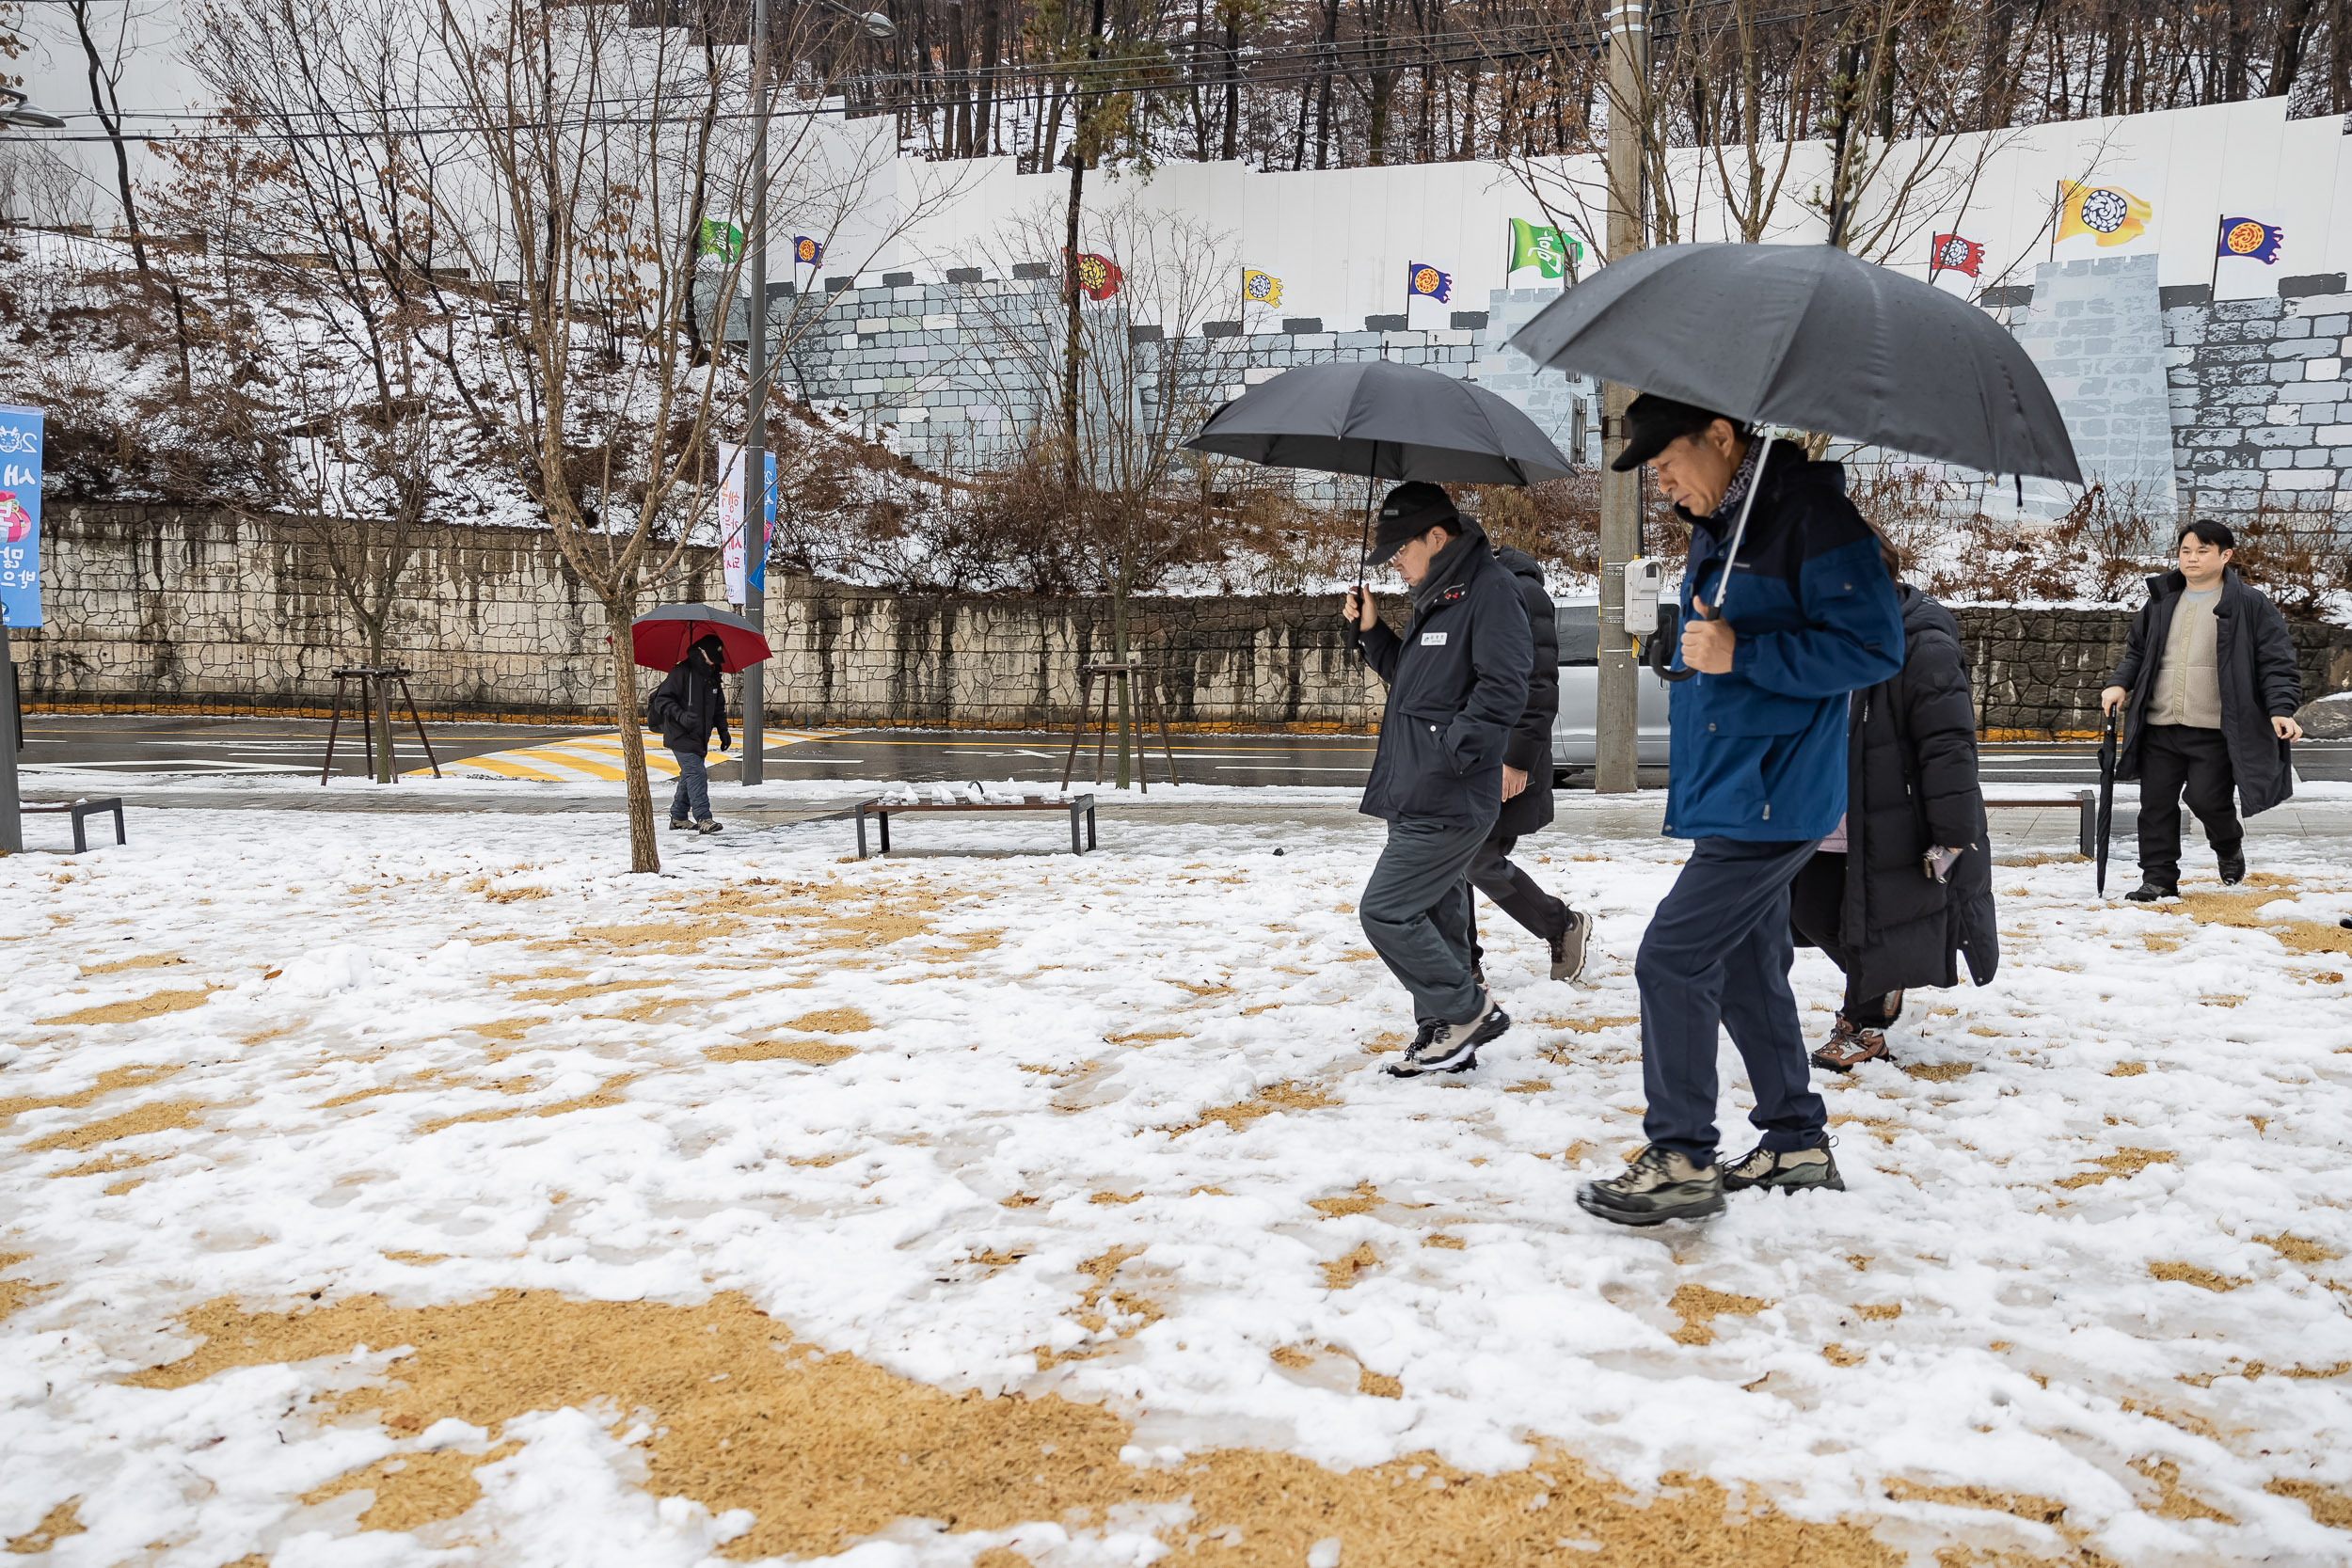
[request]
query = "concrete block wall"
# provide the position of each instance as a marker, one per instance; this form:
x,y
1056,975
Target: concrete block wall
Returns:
x,y
2261,409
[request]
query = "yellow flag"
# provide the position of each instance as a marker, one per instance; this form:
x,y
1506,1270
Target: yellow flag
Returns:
x,y
1260,288
2109,214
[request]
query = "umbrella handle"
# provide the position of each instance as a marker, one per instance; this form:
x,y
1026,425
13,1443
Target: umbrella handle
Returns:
x,y
1739,530
1364,551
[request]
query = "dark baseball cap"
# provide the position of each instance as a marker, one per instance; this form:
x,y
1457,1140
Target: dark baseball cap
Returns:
x,y
1408,512
1653,423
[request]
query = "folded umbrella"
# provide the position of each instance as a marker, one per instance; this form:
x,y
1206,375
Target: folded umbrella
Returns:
x,y
660,638
2107,797
1384,420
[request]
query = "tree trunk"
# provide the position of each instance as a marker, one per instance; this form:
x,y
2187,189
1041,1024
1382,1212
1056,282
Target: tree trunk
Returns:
x,y
1119,654
380,718
644,854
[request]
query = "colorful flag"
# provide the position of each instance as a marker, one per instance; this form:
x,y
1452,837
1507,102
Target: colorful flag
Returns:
x,y
1534,245
2251,240
1260,288
1951,253
805,251
719,238
2110,213
19,515
1098,275
1423,281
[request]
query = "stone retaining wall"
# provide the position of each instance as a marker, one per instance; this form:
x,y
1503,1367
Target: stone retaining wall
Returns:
x,y
161,607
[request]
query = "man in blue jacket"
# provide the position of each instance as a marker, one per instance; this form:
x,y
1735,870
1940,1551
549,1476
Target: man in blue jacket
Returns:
x,y
1458,682
1757,779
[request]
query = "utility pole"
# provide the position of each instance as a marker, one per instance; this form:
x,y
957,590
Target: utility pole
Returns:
x,y
1616,722
756,443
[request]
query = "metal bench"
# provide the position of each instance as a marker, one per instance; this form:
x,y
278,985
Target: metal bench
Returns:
x,y
78,810
883,810
2086,799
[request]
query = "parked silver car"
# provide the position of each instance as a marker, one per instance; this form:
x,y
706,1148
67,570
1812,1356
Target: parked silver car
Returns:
x,y
1572,745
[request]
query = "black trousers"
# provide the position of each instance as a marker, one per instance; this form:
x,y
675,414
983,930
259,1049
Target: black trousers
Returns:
x,y
1817,898
2176,759
1513,892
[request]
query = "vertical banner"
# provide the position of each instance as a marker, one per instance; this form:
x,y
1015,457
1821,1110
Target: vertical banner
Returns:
x,y
742,566
19,515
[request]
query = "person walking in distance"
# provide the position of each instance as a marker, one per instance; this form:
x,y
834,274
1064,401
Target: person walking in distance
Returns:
x,y
1905,880
1527,793
1757,778
2209,686
1457,683
685,707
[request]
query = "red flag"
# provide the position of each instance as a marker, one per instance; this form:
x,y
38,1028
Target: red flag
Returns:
x,y
1951,253
1098,275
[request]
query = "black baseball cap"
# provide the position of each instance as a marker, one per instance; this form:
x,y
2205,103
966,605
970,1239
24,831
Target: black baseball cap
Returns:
x,y
1408,512
1653,423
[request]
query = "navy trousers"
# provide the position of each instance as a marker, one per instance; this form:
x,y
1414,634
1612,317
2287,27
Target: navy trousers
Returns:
x,y
694,788
1717,952
1416,910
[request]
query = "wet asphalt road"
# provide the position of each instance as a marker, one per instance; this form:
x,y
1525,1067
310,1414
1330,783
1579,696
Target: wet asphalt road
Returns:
x,y
133,745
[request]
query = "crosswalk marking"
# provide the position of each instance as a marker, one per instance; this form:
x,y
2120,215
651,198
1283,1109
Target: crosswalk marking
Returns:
x,y
586,759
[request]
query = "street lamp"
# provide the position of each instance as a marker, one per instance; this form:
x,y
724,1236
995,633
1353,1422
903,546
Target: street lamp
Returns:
x,y
875,24
20,113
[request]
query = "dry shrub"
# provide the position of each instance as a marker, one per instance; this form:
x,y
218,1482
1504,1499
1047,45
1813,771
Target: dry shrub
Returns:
x,y
2299,555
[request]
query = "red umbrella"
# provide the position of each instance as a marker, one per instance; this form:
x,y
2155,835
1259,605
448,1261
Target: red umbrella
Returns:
x,y
659,638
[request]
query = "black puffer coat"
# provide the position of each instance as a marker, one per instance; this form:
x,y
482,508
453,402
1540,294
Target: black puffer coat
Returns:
x,y
1530,746
1457,683
1910,785
2254,662
689,704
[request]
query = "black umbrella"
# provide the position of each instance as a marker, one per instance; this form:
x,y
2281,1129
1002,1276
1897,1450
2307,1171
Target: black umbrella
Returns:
x,y
1811,336
1384,420
2107,796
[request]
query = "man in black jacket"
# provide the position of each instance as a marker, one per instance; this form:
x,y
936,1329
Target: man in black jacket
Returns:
x,y
685,707
2210,676
1527,793
1458,682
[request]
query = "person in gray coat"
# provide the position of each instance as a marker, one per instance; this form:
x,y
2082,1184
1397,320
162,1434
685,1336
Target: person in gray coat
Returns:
x,y
2208,686
1457,683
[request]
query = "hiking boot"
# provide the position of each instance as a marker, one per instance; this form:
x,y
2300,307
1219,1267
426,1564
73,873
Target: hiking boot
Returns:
x,y
1567,948
2152,889
2233,866
1786,1169
1659,1184
709,827
1849,1046
679,824
1453,1047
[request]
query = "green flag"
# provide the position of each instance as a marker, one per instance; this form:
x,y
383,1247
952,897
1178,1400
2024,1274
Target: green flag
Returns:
x,y
723,240
1534,245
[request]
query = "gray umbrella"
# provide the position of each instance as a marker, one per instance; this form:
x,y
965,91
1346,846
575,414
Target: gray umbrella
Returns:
x,y
1384,420
1810,337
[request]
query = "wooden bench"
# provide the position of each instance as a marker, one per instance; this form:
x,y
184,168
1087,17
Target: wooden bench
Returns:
x,y
2052,800
883,810
78,810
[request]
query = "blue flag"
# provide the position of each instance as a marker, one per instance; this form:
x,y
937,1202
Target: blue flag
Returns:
x,y
2252,239
1425,281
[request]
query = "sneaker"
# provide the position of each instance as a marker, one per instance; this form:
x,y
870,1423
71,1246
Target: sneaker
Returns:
x,y
1453,1047
708,827
1849,1046
1786,1169
679,824
2152,889
1567,948
1659,1184
2233,867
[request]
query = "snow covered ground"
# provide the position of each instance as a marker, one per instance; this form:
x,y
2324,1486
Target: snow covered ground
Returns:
x,y
277,1087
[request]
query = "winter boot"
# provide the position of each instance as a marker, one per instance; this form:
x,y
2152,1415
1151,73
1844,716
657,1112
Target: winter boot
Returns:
x,y
2232,865
708,826
679,824
1567,948
1786,1169
2151,889
1849,1046
1659,1184
1453,1047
